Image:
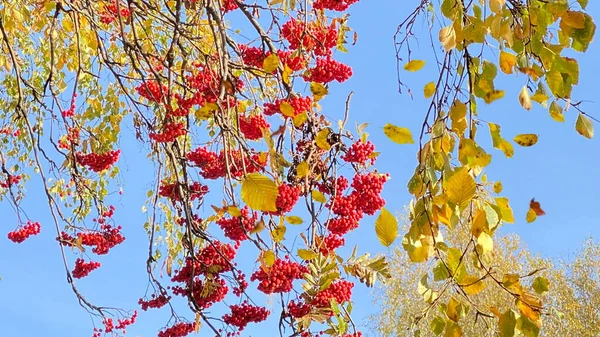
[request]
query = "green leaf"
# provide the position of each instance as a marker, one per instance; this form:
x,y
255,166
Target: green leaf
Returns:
x,y
386,227
397,134
414,65
540,285
259,192
527,327
507,324
460,188
456,265
584,126
583,3
440,272
437,325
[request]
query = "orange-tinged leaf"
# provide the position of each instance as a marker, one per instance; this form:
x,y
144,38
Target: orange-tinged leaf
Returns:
x,y
507,62
574,19
414,65
530,72
535,206
397,134
197,323
526,139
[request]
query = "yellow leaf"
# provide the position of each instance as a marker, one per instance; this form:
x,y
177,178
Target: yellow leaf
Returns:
x,y
278,233
507,62
472,285
271,63
574,19
496,5
318,90
485,242
397,134
267,259
493,96
294,220
479,223
584,126
234,211
386,227
457,113
556,112
498,187
447,37
259,192
300,119
505,210
453,330
531,216
525,98
526,139
429,89
306,254
258,228
287,72
318,196
302,169
286,109
453,309
414,65
461,188
321,139
530,306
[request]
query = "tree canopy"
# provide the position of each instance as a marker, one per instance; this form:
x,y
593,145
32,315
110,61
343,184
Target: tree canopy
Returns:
x,y
224,98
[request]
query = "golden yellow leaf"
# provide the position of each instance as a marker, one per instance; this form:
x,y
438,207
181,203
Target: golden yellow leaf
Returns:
x,y
584,126
321,139
318,90
287,72
493,96
574,19
457,113
278,233
498,187
530,306
556,112
386,227
397,134
286,109
271,63
306,254
507,62
414,65
496,5
530,217
526,139
525,98
294,220
300,119
302,169
479,223
234,211
485,242
472,285
259,192
267,259
453,330
447,37
453,309
318,196
461,187
429,89
506,211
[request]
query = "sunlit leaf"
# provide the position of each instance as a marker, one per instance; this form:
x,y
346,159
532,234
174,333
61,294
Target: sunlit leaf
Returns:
x,y
485,242
540,285
447,37
306,254
507,62
525,98
302,169
498,187
472,285
318,196
271,63
506,211
294,220
397,134
526,139
318,90
493,96
386,227
452,330
286,109
584,126
507,324
321,139
414,65
429,89
574,19
556,112
437,325
461,188
259,192
528,327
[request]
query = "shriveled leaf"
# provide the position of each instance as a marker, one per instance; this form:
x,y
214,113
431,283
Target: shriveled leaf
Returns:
x,y
397,134
584,126
414,65
259,192
535,206
386,227
526,139
525,98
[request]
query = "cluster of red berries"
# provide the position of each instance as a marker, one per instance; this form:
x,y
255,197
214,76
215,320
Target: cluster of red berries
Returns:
x,y
213,166
11,180
169,132
334,187
279,277
367,189
82,268
102,241
340,291
310,36
298,309
242,285
72,137
21,234
299,103
286,198
98,162
121,323
359,152
156,301
71,111
242,314
180,329
111,12
333,5
152,91
195,190
9,130
237,228
214,258
205,293
252,126
328,70
330,243
255,57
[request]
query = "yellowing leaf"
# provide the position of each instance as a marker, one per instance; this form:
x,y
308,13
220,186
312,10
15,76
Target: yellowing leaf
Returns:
x,y
485,242
507,62
267,259
526,139
302,169
574,19
321,139
414,65
386,227
259,192
306,254
447,38
453,330
528,327
530,217
287,72
584,126
493,96
429,89
498,187
507,324
397,134
294,220
457,113
525,98
271,63
461,188
472,285
506,211
300,119
540,285
278,233
286,109
318,196
556,112
496,5
234,211
318,90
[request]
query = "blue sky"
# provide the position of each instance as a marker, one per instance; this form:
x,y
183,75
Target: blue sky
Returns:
x,y
560,172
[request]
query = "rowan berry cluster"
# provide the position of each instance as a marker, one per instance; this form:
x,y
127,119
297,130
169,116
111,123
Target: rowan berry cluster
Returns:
x,y
121,323
11,180
152,91
330,243
255,57
242,314
242,284
71,111
298,309
214,258
111,12
98,162
72,137
237,228
213,166
328,70
359,152
169,132
286,198
279,277
194,190
204,292
82,268
299,103
21,234
340,291
102,241
252,126
310,36
155,302
333,5
180,329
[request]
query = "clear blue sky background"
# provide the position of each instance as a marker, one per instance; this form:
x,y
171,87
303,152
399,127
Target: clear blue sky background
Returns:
x,y
560,171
